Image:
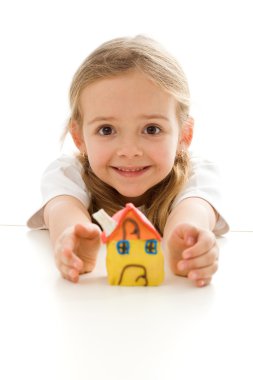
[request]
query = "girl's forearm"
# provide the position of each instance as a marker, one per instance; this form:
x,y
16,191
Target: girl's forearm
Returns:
x,y
62,212
195,211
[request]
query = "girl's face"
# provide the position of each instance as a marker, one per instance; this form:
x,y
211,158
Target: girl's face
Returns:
x,y
130,132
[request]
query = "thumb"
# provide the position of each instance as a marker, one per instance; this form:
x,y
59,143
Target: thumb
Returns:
x,y
188,233
87,231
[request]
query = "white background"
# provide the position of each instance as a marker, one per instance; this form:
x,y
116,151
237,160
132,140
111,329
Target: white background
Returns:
x,y
42,44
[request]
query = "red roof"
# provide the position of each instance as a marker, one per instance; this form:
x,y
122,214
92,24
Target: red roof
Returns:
x,y
120,216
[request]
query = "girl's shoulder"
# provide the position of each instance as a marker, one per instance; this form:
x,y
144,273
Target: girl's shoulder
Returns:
x,y
62,176
64,168
203,168
205,182
65,161
198,160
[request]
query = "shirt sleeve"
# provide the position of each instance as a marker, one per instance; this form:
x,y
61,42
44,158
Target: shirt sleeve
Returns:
x,y
61,177
205,182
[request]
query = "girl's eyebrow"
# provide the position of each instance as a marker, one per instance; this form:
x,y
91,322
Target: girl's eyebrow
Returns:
x,y
154,116
102,118
144,116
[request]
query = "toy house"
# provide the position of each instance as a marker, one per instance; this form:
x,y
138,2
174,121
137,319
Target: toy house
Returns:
x,y
134,254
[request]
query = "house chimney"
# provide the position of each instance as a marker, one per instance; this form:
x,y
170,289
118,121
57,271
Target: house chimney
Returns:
x,y
107,223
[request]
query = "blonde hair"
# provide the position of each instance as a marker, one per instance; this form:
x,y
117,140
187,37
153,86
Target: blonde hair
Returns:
x,y
113,58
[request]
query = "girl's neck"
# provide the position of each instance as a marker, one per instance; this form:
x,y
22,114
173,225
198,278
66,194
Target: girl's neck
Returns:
x,y
137,201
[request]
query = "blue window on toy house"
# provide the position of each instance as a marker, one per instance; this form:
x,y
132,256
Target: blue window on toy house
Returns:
x,y
151,247
123,247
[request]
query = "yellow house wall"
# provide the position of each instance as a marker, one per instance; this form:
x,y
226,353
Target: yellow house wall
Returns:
x,y
153,264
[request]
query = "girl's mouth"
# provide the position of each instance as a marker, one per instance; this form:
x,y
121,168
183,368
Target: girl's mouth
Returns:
x,y
130,171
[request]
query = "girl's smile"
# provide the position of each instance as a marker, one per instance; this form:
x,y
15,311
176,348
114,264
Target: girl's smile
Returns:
x,y
130,132
131,171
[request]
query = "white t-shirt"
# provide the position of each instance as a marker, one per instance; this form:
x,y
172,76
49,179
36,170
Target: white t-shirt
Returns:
x,y
63,177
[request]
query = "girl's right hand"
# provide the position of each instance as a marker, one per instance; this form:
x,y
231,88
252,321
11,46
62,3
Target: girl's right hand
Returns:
x,y
76,250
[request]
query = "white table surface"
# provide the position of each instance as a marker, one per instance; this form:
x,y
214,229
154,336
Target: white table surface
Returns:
x,y
53,329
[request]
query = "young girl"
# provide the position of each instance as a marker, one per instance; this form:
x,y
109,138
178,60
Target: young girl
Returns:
x,y
130,122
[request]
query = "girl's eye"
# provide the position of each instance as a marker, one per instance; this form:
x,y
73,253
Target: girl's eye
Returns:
x,y
106,130
152,130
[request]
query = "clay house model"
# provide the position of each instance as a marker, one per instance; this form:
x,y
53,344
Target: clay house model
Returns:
x,y
134,254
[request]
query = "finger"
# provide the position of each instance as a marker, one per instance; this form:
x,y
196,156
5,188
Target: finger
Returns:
x,y
68,258
89,231
203,273
203,282
191,234
187,233
69,273
205,242
204,260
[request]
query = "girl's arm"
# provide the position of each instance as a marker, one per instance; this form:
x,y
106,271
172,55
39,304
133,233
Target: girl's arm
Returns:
x,y
191,244
75,239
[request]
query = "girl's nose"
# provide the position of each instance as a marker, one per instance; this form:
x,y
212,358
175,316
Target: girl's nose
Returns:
x,y
129,148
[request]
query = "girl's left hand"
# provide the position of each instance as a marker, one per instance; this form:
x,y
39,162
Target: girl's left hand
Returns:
x,y
193,253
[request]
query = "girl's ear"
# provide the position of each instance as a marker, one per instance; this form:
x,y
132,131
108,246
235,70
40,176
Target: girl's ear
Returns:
x,y
186,133
77,136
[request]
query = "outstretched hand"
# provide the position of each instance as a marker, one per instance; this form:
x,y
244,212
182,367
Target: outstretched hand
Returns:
x,y
76,250
193,253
